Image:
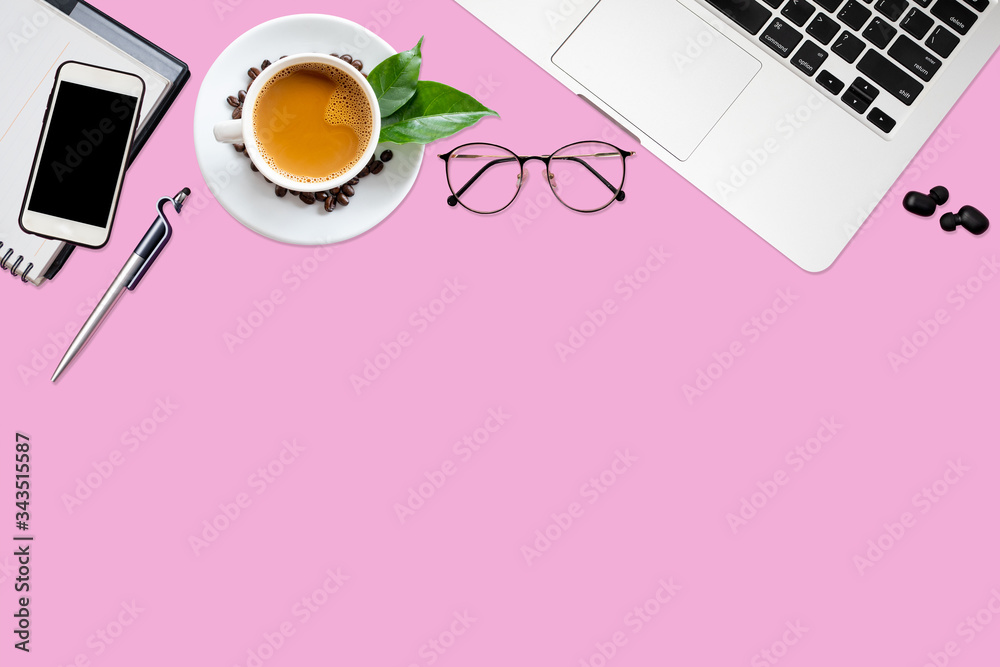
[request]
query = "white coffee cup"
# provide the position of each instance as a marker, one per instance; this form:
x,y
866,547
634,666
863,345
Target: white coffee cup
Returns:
x,y
242,130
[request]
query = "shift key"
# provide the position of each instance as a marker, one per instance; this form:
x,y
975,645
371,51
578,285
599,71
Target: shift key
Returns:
x,y
748,14
898,83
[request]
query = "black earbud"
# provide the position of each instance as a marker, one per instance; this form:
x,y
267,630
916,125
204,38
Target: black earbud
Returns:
x,y
971,218
925,205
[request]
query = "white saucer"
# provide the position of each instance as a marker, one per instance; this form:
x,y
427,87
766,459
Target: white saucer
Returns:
x,y
244,193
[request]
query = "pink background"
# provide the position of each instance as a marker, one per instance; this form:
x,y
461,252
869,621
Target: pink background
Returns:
x,y
824,360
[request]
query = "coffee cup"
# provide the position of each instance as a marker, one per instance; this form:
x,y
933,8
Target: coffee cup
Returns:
x,y
310,122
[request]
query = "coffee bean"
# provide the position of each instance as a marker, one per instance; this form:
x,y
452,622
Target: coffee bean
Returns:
x,y
253,73
330,204
280,191
239,148
282,57
385,156
377,167
253,167
334,55
264,65
347,190
342,199
335,191
266,178
364,172
354,181
308,198
358,65
238,113
294,193
242,95
233,101
322,195
347,59
245,153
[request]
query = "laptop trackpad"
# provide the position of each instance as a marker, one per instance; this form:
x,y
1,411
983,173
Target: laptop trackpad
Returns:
x,y
660,66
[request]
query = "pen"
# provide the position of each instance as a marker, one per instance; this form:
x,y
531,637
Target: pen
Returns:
x,y
135,268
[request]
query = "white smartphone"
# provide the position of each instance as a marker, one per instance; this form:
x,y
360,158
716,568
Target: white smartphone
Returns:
x,y
83,150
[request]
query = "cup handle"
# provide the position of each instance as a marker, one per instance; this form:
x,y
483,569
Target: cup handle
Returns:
x,y
229,131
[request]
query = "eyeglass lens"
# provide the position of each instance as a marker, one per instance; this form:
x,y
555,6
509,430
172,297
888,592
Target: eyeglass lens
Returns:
x,y
587,177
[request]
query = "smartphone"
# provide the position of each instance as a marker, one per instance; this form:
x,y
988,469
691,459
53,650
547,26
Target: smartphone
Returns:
x,y
82,153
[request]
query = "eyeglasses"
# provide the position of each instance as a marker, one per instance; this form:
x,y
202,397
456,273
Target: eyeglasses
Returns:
x,y
587,176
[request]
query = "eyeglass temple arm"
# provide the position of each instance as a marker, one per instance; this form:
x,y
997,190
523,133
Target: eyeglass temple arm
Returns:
x,y
591,170
482,171
492,163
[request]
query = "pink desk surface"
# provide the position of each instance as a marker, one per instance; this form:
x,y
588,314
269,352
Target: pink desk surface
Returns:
x,y
829,496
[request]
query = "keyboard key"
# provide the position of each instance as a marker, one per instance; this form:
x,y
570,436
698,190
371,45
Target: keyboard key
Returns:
x,y
798,12
859,104
854,15
898,83
860,95
881,120
864,89
908,53
830,82
829,5
848,47
942,42
892,8
879,33
916,23
978,5
774,3
781,37
823,28
956,16
923,3
748,14
809,58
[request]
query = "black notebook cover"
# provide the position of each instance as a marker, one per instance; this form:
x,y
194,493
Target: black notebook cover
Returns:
x,y
140,48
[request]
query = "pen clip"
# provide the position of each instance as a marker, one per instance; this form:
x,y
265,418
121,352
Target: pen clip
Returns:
x,y
160,228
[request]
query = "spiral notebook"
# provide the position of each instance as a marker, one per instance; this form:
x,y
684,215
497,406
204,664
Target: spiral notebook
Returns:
x,y
42,35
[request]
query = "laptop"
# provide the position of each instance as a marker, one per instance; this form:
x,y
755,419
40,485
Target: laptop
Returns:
x,y
795,116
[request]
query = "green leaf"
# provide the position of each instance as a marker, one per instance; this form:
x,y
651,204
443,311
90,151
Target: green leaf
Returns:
x,y
436,111
394,80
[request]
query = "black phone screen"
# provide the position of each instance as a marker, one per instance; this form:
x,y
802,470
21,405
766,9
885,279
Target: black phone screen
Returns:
x,y
89,134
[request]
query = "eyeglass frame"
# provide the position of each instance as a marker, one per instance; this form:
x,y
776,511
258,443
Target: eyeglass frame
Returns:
x,y
454,199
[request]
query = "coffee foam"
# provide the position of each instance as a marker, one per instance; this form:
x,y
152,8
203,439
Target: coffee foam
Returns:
x,y
347,106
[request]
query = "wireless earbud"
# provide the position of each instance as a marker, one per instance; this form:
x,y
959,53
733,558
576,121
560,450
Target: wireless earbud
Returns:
x,y
925,205
971,218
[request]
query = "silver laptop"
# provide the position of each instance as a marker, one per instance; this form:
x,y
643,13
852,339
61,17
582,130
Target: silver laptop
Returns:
x,y
796,116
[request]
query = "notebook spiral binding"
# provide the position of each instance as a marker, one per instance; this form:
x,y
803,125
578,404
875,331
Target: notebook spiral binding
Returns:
x,y
13,267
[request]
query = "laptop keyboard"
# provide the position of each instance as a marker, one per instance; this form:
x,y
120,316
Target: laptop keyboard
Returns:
x,y
878,57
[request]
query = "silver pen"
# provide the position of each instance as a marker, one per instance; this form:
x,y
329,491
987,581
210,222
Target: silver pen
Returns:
x,y
135,268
